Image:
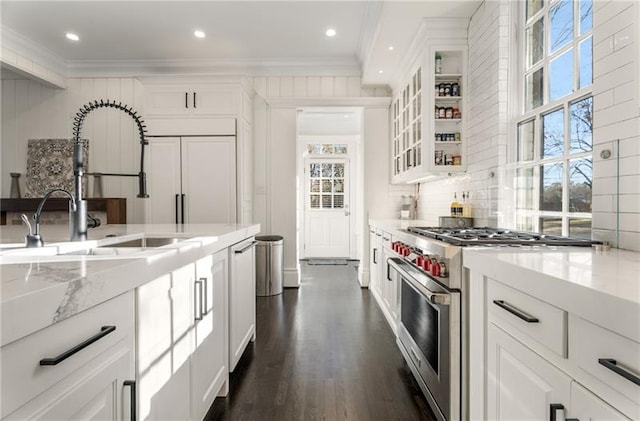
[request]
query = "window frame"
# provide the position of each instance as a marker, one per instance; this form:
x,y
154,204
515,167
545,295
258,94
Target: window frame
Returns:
x,y
537,113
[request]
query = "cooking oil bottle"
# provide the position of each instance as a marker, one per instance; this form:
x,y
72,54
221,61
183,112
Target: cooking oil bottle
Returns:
x,y
454,206
466,206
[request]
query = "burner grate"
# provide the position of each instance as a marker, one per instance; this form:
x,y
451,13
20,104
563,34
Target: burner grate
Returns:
x,y
495,236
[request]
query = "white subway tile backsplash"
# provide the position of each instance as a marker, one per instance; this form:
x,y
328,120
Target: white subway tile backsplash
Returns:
x,y
624,93
629,203
614,61
629,240
604,203
603,47
623,38
618,130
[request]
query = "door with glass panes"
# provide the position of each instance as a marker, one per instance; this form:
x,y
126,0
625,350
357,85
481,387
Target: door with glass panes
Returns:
x,y
327,215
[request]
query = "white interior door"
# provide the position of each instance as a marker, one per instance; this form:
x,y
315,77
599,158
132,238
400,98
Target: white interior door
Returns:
x,y
209,179
327,215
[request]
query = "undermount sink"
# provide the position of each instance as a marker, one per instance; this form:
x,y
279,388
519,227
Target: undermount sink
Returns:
x,y
122,248
105,251
147,242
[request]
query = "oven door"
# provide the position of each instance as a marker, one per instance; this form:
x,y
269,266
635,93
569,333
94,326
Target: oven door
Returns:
x,y
429,336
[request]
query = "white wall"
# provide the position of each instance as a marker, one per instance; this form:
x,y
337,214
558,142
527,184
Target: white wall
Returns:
x,y
275,105
487,130
616,121
31,110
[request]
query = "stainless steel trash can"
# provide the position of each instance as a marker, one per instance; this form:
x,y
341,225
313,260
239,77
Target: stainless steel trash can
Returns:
x,y
269,265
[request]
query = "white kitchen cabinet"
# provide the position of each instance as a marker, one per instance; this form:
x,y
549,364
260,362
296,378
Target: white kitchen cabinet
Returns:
x,y
242,299
192,179
186,100
585,406
165,325
521,385
390,283
88,383
182,363
375,254
209,370
538,355
382,284
423,143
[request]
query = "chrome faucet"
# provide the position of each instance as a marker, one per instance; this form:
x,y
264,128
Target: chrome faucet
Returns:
x,y
34,239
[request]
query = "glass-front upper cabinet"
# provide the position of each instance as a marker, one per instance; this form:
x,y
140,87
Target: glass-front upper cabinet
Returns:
x,y
428,116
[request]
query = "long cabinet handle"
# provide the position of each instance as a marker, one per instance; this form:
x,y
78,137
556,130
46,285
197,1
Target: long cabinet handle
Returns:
x,y
194,100
177,208
197,304
375,254
388,271
553,410
182,205
242,250
612,365
132,385
104,331
186,100
516,312
205,303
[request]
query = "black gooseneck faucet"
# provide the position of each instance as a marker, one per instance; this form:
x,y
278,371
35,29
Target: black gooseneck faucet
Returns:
x,y
77,205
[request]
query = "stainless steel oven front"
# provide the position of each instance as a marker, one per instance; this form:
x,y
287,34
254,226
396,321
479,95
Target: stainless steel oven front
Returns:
x,y
429,336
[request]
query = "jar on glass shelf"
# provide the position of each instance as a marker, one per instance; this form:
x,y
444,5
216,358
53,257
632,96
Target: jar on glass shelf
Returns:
x,y
456,113
448,112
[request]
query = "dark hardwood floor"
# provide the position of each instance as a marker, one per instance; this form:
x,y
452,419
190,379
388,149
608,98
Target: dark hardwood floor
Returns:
x,y
323,352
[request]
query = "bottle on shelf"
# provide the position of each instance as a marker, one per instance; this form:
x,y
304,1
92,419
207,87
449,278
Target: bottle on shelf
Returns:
x,y
454,206
438,63
466,206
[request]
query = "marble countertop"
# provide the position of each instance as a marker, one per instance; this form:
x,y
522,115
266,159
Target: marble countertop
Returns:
x,y
600,286
37,291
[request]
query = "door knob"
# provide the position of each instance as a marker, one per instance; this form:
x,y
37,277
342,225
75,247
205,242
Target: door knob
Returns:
x,y
347,213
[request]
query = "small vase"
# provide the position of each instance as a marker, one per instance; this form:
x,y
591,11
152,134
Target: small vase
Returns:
x,y
15,185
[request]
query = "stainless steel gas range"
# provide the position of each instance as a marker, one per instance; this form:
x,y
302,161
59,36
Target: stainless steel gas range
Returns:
x,y
431,304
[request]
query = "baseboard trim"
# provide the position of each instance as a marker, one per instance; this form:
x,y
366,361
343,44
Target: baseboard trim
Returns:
x,y
291,278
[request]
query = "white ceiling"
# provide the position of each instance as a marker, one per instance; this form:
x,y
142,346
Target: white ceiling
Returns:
x,y
251,36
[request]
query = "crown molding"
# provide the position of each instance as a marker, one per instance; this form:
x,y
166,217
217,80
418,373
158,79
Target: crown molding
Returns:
x,y
23,46
251,67
430,30
293,102
369,33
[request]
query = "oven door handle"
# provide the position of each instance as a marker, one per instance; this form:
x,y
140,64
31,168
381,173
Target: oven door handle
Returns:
x,y
437,298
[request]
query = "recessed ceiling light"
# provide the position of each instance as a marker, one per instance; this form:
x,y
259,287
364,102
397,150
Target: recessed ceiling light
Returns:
x,y
331,32
391,48
380,71
198,34
72,36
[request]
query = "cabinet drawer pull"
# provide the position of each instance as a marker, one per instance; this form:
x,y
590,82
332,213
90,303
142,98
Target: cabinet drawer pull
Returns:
x,y
553,409
205,304
516,312
177,209
242,250
194,100
197,301
104,331
132,385
612,365
186,100
375,261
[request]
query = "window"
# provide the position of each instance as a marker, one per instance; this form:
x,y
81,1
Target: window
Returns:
x,y
326,185
553,150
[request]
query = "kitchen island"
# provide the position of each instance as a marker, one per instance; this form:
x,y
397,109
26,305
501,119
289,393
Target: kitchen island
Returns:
x,y
162,314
